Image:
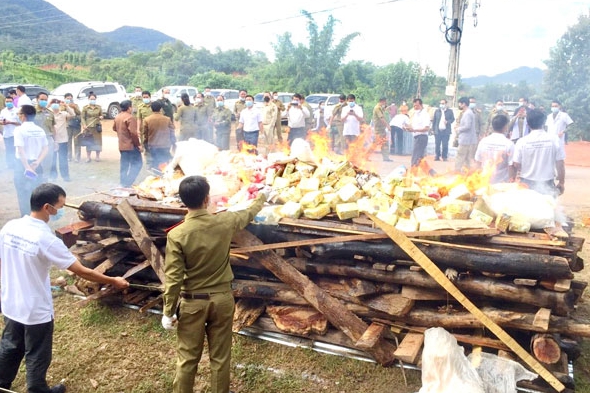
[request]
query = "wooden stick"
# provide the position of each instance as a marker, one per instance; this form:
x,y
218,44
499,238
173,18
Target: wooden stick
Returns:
x,y
417,255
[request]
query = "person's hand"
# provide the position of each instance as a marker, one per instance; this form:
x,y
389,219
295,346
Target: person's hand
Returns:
x,y
169,323
120,283
560,187
266,191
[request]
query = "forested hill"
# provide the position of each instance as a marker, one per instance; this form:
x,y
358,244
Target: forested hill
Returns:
x,y
36,26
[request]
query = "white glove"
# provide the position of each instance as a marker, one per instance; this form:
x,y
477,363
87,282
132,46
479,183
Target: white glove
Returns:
x,y
266,191
169,323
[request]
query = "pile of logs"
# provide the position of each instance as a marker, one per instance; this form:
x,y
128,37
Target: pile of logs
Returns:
x,y
350,284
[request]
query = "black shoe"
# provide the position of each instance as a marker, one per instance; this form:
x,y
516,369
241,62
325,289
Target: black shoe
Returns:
x,y
59,388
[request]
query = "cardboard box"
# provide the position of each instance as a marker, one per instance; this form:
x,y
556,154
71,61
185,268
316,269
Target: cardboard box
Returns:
x,y
346,211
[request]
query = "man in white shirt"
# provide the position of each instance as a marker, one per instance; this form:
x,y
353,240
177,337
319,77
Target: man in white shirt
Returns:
x,y
419,125
251,122
494,152
31,147
23,99
9,119
28,249
557,122
352,117
296,115
538,156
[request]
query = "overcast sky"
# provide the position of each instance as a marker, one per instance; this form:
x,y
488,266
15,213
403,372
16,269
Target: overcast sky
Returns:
x,y
509,33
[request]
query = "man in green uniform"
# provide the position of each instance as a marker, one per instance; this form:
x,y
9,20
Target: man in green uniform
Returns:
x,y
204,111
73,128
136,100
167,106
144,109
336,126
45,119
238,108
309,121
221,120
198,274
281,108
381,127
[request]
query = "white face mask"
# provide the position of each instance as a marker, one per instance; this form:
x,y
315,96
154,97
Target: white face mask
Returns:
x,y
499,107
198,100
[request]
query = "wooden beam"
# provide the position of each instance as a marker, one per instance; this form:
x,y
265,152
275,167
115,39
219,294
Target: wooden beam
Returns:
x,y
409,348
142,238
371,336
417,255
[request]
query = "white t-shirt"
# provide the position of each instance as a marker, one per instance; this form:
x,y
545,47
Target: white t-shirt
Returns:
x,y
10,115
296,116
420,120
351,125
24,100
28,249
250,117
399,120
556,126
537,154
31,137
495,151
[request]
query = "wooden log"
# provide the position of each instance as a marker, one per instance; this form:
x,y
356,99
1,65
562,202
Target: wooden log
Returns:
x,y
416,293
518,264
355,287
334,311
390,303
561,303
542,318
557,285
247,312
69,233
300,320
545,348
141,236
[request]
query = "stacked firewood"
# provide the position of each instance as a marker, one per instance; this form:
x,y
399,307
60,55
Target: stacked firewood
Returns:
x,y
348,283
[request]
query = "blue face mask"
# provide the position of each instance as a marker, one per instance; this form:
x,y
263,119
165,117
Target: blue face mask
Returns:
x,y
249,104
472,105
220,104
92,102
58,215
9,105
146,100
351,104
43,103
68,101
54,106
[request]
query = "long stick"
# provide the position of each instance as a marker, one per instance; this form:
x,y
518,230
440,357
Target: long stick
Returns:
x,y
417,255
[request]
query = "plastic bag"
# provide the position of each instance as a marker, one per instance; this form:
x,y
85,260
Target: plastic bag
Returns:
x,y
524,204
445,369
193,156
499,375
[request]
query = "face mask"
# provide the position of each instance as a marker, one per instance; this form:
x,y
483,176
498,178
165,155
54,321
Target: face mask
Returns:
x,y
58,215
294,102
442,106
138,94
43,103
351,104
198,100
68,101
499,107
554,109
92,102
220,104
146,100
472,105
55,106
9,105
242,99
166,96
520,103
249,104
275,97
207,94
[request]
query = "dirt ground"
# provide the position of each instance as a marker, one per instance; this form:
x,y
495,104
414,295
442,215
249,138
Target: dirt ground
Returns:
x,y
99,360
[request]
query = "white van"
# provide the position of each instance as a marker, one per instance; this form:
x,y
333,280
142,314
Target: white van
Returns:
x,y
108,95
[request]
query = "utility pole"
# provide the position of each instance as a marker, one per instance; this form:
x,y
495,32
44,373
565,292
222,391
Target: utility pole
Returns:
x,y
453,35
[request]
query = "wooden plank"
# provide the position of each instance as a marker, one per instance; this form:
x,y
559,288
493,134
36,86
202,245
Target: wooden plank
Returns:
x,y
151,303
542,319
111,261
69,233
391,303
247,311
560,285
142,238
409,348
371,337
527,282
417,255
415,293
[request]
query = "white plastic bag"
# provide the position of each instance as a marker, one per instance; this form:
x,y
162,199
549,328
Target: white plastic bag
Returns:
x,y
193,156
445,369
499,375
525,204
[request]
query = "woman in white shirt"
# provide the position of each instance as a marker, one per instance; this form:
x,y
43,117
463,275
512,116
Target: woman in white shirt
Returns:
x,y
62,113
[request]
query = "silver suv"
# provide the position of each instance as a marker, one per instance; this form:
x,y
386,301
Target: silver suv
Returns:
x,y
108,95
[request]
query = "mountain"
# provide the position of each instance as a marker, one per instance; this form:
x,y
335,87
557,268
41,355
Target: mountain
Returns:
x,y
532,76
145,40
36,26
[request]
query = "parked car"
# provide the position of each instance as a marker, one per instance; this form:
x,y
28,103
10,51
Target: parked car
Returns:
x,y
108,95
330,100
175,93
231,96
30,90
283,96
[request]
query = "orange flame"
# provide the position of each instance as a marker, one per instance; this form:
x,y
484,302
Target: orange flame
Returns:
x,y
247,148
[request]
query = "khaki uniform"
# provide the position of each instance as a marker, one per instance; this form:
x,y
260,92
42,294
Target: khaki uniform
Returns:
x,y
158,137
338,139
221,119
493,114
203,114
74,127
187,117
209,101
143,111
45,119
90,118
136,101
238,108
309,121
278,124
197,266
269,118
380,126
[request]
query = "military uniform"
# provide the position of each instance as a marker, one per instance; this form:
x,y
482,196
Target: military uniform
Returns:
x,y
203,114
221,119
337,127
493,114
90,119
380,126
158,137
136,101
45,119
238,108
309,121
74,127
187,117
198,274
278,125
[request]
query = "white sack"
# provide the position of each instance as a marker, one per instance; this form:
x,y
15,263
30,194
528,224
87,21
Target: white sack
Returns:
x,y
526,204
499,375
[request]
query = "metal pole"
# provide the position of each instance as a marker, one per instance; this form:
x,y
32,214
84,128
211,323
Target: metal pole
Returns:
x,y
453,36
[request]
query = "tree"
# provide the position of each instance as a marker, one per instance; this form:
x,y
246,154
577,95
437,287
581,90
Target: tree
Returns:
x,y
568,76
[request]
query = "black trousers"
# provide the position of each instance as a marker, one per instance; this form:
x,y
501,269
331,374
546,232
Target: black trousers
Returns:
x,y
34,343
131,163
